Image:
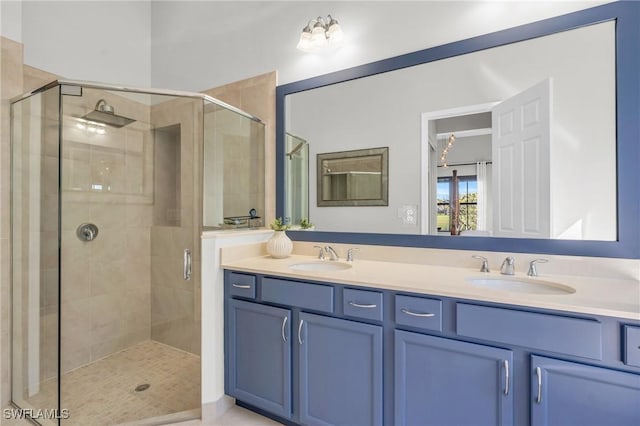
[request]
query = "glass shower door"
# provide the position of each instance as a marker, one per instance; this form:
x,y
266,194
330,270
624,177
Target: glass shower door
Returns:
x,y
35,256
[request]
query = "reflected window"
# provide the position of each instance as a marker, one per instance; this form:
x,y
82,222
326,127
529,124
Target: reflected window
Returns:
x,y
468,196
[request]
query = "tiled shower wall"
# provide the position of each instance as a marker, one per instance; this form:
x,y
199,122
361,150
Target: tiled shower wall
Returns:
x,y
175,302
234,154
257,96
11,84
106,181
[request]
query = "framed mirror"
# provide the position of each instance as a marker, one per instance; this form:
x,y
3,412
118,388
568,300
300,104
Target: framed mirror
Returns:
x,y
565,190
353,178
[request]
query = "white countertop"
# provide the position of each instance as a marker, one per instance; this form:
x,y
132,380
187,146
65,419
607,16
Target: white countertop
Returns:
x,y
598,296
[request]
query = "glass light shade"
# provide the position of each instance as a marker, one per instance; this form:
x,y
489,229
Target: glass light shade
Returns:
x,y
335,34
318,37
304,43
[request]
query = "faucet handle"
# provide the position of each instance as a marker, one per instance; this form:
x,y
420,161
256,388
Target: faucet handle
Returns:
x,y
485,263
350,254
533,271
320,252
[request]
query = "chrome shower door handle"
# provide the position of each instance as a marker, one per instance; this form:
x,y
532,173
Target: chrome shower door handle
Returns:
x,y
186,264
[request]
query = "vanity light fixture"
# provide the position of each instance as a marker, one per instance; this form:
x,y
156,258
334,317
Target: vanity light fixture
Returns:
x,y
320,33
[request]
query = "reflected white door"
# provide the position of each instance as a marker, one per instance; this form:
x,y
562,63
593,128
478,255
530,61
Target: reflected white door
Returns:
x,y
521,171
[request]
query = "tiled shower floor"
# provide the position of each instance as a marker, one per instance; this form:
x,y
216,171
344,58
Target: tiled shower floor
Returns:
x,y
103,392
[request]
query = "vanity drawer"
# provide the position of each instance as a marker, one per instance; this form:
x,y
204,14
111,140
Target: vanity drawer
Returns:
x,y
242,285
419,312
632,345
571,336
362,304
292,293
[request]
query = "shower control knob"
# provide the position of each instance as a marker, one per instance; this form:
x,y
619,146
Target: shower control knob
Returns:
x,y
87,232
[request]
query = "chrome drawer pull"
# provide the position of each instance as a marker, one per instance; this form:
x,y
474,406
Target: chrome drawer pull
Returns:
x,y
300,331
358,305
505,364
284,322
417,314
241,286
539,375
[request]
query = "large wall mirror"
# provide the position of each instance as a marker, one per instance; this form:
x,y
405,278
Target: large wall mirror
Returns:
x,y
522,139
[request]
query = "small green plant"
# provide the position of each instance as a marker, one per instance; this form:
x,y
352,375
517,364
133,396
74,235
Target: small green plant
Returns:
x,y
305,224
279,225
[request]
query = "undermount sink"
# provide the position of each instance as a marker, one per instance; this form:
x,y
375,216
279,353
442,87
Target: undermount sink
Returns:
x,y
521,285
320,266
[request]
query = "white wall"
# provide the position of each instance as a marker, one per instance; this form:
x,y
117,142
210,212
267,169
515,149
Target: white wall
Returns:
x,y
197,45
385,110
11,19
108,41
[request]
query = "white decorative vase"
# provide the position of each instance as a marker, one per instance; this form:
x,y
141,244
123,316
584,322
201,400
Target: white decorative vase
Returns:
x,y
279,245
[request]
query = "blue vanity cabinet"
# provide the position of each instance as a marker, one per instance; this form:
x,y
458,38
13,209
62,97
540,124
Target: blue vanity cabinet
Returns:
x,y
440,381
319,353
259,355
571,394
340,371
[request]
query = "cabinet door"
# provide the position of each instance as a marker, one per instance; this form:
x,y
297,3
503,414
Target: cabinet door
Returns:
x,y
340,371
259,354
447,382
571,394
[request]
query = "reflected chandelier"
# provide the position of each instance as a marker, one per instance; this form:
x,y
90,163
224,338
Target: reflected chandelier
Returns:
x,y
320,33
445,151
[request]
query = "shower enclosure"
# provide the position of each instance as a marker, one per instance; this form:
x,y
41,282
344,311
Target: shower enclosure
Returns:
x,y
110,192
296,172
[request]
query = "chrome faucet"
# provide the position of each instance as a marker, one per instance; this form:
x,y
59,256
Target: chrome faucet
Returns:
x,y
485,263
508,266
332,253
533,272
320,253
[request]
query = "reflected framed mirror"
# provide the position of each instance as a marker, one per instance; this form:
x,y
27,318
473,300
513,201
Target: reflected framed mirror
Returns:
x,y
539,122
353,178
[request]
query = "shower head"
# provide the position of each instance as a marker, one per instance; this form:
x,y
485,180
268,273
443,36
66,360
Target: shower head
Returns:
x,y
104,113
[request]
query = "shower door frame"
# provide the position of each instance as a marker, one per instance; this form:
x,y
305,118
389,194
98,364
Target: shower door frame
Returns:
x,y
27,412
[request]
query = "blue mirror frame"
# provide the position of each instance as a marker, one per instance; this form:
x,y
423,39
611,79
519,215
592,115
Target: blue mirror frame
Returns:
x,y
626,14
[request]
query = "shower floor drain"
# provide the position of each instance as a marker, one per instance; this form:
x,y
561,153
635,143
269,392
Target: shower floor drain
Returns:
x,y
142,387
